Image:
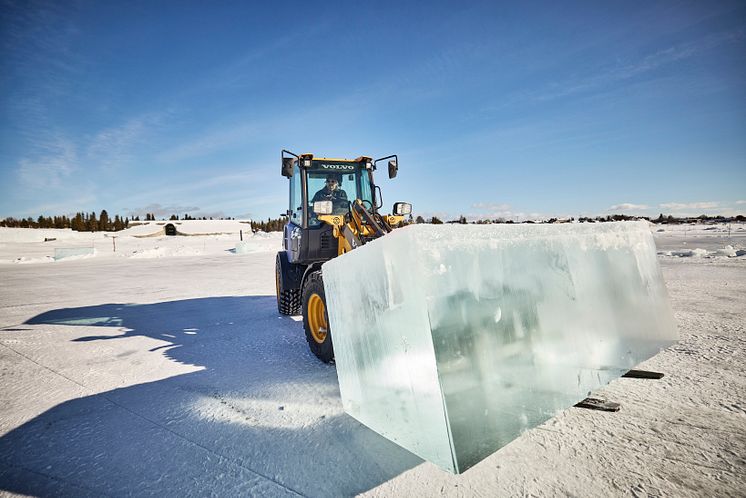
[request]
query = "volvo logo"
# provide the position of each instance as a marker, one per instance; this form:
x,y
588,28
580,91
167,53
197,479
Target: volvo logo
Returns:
x,y
347,167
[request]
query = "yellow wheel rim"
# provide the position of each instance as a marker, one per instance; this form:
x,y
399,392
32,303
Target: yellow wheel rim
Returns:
x,y
317,318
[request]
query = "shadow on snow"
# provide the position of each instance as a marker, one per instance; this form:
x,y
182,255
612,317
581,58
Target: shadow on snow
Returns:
x,y
263,416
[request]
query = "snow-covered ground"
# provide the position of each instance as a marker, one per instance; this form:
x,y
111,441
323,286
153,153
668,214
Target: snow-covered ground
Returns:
x,y
146,240
138,373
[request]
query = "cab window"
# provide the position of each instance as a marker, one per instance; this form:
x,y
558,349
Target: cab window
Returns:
x,y
354,181
296,198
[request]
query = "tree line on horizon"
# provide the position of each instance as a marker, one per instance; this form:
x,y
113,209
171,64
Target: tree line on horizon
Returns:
x,y
89,222
661,219
270,225
80,222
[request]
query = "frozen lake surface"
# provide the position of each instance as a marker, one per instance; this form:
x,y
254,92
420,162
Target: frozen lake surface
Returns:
x,y
171,374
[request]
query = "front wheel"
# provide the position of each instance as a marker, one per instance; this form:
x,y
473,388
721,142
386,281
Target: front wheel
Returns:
x,y
288,299
316,319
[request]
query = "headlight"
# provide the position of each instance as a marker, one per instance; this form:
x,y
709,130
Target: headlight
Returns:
x,y
402,208
322,207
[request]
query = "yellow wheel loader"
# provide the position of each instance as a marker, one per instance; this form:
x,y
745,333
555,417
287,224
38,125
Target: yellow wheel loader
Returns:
x,y
334,208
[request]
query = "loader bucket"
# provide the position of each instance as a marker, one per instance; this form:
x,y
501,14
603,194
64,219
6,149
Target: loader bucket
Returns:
x,y
452,340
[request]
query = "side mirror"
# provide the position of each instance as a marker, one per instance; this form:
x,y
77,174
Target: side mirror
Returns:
x,y
393,168
287,167
322,207
402,208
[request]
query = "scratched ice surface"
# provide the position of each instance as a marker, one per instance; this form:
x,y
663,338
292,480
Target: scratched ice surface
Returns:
x,y
451,340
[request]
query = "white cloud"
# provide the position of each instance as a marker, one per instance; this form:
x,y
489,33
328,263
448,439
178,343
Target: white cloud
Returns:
x,y
116,145
486,211
740,202
164,211
681,206
493,211
627,206
491,206
215,141
54,162
621,71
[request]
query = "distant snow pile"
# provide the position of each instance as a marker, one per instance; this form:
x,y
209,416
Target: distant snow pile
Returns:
x,y
164,252
45,234
727,251
26,260
187,227
245,247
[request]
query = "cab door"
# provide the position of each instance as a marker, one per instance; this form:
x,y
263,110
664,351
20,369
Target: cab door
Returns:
x,y
293,228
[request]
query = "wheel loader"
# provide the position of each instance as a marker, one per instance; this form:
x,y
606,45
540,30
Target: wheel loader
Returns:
x,y
333,208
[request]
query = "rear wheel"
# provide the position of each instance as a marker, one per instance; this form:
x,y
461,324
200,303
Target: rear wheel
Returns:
x,y
288,299
316,319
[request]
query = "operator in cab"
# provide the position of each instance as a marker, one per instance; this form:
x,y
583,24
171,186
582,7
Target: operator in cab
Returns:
x,y
333,192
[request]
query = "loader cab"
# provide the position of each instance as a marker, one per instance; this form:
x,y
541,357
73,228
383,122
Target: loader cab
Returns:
x,y
306,238
326,219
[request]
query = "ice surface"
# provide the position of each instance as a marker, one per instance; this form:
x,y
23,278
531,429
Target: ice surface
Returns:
x,y
69,252
245,247
452,340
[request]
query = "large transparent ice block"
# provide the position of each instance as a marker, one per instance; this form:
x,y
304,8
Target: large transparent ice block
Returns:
x,y
451,340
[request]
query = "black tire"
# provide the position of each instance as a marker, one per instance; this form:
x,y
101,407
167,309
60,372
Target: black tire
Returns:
x,y
288,299
319,343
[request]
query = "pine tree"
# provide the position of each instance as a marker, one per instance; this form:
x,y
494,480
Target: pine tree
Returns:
x,y
92,222
76,222
103,221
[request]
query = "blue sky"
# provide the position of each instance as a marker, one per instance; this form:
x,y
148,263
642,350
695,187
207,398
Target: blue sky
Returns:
x,y
519,109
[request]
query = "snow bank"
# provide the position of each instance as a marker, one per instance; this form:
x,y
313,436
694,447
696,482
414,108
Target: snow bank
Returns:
x,y
727,251
164,252
25,260
40,234
27,245
700,229
187,227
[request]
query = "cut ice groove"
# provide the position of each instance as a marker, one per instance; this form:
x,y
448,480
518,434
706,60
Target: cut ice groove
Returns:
x,y
506,325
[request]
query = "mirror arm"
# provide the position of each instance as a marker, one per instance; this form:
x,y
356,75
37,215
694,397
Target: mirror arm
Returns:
x,y
393,156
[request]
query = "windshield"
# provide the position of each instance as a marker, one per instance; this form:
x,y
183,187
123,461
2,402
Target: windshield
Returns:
x,y
340,183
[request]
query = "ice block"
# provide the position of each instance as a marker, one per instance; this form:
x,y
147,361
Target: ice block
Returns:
x,y
451,340
68,252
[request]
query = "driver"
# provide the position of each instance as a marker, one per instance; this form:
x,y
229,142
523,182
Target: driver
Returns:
x,y
332,192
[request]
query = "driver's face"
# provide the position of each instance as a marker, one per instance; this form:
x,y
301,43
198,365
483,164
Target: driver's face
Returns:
x,y
332,184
